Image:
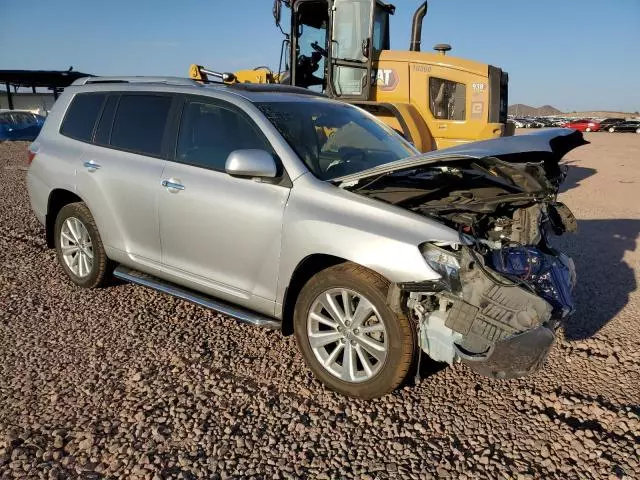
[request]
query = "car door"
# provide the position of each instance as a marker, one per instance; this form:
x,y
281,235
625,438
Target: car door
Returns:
x,y
219,232
119,173
6,126
26,126
19,125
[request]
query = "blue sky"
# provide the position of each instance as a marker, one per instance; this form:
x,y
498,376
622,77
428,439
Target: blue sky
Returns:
x,y
575,55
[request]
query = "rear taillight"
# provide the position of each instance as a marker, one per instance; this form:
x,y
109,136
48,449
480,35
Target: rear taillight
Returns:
x,y
32,151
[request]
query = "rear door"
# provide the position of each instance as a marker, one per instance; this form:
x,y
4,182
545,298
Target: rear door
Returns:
x,y
119,172
218,231
21,123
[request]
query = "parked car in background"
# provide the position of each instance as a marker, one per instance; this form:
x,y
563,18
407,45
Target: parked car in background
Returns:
x,y
627,126
20,125
608,123
583,125
518,122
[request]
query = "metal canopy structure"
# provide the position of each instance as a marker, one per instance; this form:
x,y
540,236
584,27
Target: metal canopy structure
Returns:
x,y
54,80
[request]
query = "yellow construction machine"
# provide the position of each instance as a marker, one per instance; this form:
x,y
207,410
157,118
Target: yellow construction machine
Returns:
x,y
342,48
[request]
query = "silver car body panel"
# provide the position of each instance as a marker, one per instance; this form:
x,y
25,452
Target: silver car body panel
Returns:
x,y
225,230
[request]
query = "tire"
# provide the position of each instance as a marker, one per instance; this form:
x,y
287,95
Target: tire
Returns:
x,y
611,129
75,225
637,130
588,129
369,290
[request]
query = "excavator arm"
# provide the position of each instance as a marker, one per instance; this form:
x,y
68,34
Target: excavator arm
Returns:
x,y
257,75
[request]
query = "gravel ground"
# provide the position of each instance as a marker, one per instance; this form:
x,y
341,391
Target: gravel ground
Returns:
x,y
126,382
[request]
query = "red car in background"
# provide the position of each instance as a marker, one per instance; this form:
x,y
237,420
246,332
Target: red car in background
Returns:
x,y
583,125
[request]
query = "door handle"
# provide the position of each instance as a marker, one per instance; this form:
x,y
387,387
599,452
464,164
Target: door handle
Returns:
x,y
173,185
91,166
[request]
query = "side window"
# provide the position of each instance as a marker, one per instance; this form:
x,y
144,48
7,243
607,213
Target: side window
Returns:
x,y
140,122
380,30
447,99
82,115
20,118
209,133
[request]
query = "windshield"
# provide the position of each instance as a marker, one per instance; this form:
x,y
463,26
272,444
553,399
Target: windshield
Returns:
x,y
335,139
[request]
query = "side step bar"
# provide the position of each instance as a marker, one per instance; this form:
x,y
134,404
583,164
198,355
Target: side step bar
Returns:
x,y
239,313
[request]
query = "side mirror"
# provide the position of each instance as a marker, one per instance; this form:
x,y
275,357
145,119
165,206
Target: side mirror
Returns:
x,y
251,163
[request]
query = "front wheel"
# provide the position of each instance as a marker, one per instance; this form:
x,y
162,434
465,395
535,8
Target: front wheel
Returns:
x,y
588,129
611,130
79,246
349,337
637,130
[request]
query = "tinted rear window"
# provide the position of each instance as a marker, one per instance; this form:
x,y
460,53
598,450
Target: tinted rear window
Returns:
x,y
82,115
140,122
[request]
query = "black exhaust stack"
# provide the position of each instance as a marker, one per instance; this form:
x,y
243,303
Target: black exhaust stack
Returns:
x,y
416,27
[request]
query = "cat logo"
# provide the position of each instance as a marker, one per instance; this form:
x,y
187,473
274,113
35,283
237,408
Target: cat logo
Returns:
x,y
386,79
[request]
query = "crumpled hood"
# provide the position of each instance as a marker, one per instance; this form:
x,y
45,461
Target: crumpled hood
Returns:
x,y
548,145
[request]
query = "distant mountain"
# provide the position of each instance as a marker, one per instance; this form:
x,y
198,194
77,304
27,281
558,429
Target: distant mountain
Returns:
x,y
527,111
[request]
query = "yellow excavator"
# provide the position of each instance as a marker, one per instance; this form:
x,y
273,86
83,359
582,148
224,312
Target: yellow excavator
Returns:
x,y
342,48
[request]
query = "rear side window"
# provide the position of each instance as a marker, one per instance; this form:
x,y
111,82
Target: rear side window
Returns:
x,y
82,115
209,133
140,122
21,117
447,99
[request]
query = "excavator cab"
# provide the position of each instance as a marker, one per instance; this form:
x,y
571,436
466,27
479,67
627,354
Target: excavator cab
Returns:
x,y
332,44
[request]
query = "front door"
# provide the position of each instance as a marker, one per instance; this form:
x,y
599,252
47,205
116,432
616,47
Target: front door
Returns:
x,y
217,231
351,49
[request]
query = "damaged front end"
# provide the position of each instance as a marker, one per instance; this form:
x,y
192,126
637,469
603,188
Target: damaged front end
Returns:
x,y
497,318
503,289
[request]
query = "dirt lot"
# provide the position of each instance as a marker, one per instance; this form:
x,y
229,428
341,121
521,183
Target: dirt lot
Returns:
x,y
125,382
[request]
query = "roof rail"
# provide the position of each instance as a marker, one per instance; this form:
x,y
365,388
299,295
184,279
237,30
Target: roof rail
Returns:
x,y
139,79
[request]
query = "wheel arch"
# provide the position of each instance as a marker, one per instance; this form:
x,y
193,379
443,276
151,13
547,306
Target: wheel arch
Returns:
x,y
58,198
307,268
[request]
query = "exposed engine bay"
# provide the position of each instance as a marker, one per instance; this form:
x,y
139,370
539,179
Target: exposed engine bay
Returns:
x,y
503,289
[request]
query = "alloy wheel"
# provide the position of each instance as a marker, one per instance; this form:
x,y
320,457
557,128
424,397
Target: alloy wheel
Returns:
x,y
347,335
76,247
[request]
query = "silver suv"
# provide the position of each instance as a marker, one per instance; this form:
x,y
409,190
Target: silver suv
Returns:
x,y
290,211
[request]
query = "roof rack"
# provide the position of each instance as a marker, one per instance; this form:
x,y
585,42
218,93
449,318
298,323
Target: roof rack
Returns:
x,y
139,79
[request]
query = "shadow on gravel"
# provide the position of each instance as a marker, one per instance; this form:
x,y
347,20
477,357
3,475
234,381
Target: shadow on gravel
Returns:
x,y
605,280
426,368
575,175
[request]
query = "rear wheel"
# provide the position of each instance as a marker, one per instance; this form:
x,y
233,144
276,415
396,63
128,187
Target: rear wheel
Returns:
x,y
637,130
79,247
349,336
611,129
588,129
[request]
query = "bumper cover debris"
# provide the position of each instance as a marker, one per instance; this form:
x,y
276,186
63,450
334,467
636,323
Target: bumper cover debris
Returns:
x,y
516,356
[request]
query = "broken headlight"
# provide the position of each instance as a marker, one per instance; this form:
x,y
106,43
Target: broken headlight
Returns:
x,y
445,262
